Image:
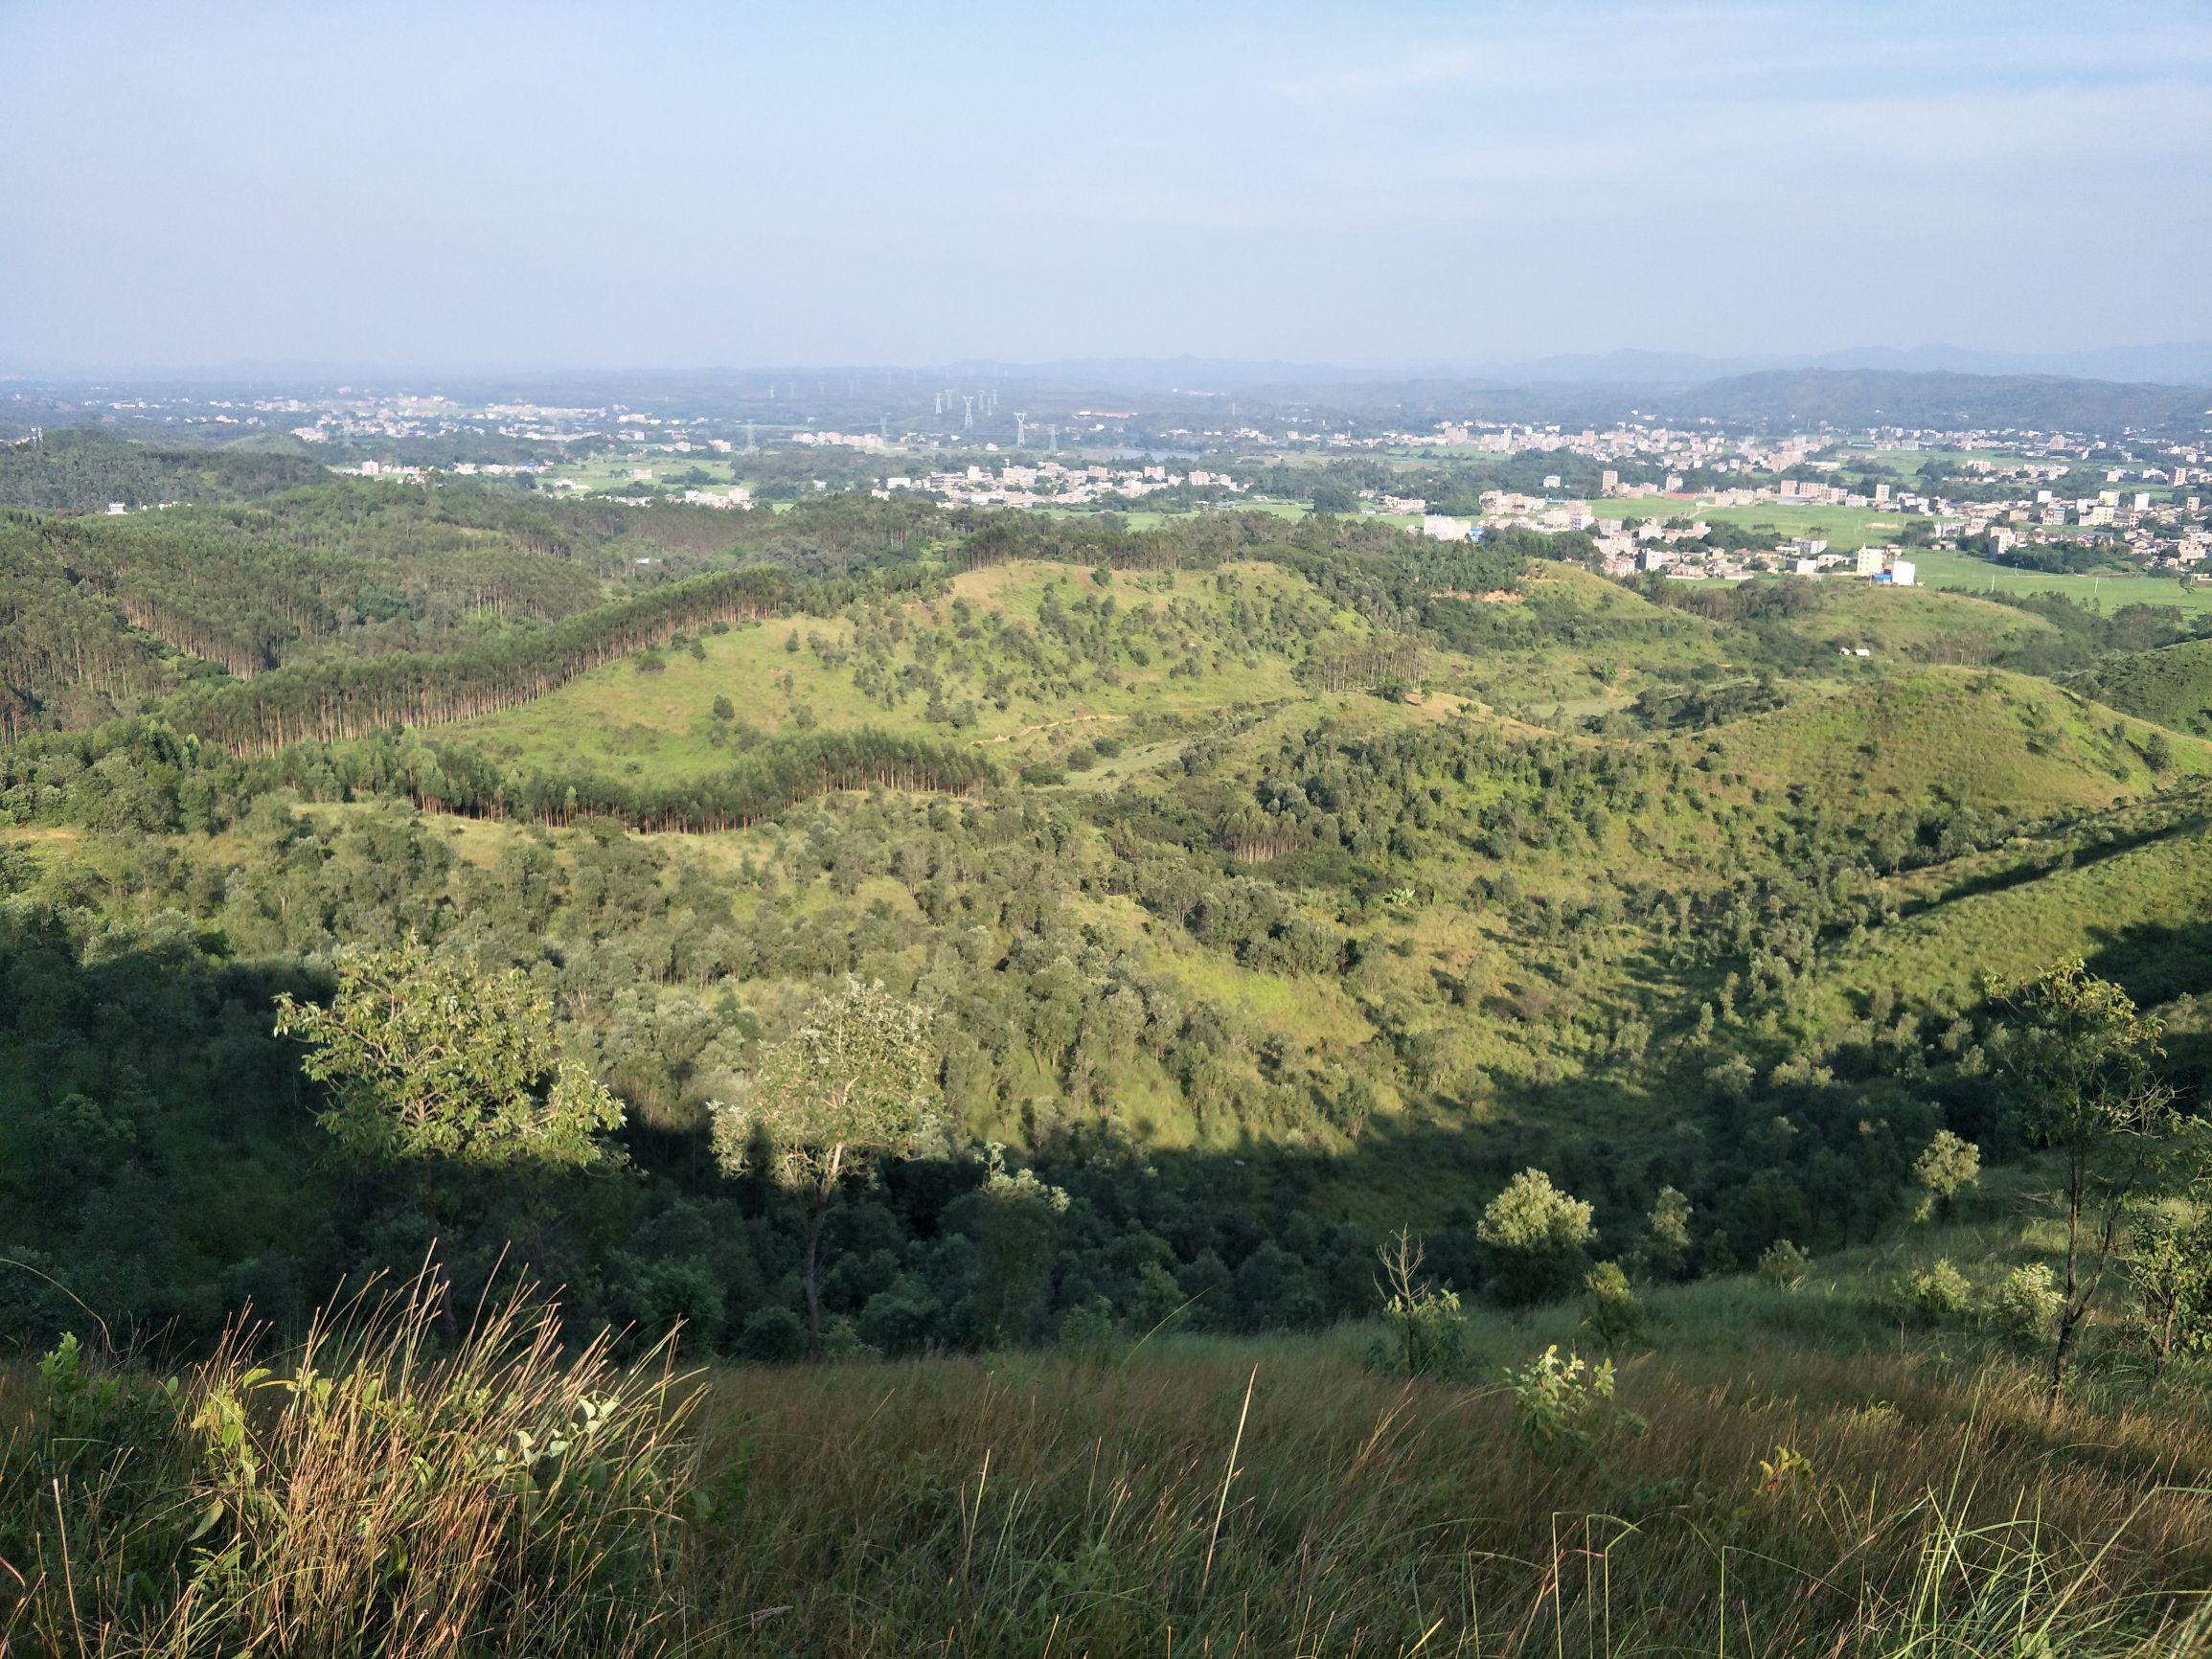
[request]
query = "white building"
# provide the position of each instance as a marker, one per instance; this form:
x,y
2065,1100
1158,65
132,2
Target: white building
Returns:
x,y
1443,527
1903,572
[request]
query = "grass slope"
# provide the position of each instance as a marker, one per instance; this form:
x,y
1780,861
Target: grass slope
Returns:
x,y
2171,685
1185,647
1979,738
2127,913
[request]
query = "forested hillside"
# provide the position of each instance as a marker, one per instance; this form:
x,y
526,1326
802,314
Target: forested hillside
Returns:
x,y
1261,887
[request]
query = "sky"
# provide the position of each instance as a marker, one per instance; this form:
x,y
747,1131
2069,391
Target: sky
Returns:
x,y
490,185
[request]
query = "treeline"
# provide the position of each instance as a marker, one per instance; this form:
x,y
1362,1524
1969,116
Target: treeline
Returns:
x,y
142,775
324,702
761,784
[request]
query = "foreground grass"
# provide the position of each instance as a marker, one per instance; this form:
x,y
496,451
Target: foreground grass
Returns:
x,y
1812,1505
1777,1475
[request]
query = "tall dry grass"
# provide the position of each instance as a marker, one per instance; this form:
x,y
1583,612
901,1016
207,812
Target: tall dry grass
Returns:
x,y
399,1487
392,1487
1042,1506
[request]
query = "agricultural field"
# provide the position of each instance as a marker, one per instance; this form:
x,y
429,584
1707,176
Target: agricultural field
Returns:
x,y
1948,568
1845,528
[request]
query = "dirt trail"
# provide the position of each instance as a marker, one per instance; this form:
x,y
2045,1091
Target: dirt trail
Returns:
x,y
1042,726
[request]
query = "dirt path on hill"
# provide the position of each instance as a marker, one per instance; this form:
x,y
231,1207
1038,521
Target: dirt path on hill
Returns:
x,y
1041,726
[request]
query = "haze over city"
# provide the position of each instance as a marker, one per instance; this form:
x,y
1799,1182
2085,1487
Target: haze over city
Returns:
x,y
1398,185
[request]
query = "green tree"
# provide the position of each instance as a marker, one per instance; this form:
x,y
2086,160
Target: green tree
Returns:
x,y
853,1085
431,1058
1946,1166
1665,1251
1533,1241
2170,1269
2083,1064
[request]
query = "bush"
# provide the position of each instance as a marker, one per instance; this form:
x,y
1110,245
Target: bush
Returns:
x,y
1947,1166
1424,1331
1781,1264
775,1335
1567,1402
1611,1310
2025,1303
1090,1334
1935,1294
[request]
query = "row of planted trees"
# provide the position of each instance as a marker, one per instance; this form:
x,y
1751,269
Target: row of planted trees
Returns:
x,y
324,702
762,782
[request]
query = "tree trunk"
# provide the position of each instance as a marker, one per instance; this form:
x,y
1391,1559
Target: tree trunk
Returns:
x,y
812,1279
2070,1321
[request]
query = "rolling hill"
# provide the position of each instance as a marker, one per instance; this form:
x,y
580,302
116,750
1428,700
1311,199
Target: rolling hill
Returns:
x,y
2171,685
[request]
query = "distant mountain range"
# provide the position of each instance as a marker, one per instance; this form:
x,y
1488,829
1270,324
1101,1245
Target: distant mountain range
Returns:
x,y
2181,363
1858,397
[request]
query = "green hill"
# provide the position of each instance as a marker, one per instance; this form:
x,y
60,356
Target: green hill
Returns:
x,y
2171,685
1022,657
1979,739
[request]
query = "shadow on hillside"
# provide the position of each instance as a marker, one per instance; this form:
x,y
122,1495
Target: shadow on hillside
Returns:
x,y
2036,866
2155,962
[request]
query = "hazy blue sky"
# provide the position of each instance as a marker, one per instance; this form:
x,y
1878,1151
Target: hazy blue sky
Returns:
x,y
479,185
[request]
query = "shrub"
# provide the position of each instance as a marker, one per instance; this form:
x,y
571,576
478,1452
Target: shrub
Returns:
x,y
2025,1303
1947,1166
1611,1310
1090,1334
1424,1331
1933,1294
1665,1247
1567,1402
1534,1238
773,1335
1783,1265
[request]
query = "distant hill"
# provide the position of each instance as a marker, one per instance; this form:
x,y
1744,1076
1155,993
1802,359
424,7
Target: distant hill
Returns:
x,y
1855,398
2176,363
80,470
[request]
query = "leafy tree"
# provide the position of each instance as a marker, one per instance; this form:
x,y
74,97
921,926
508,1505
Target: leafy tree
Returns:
x,y
2083,1064
1533,1241
1665,1251
1946,1167
428,1057
2170,1272
856,1083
